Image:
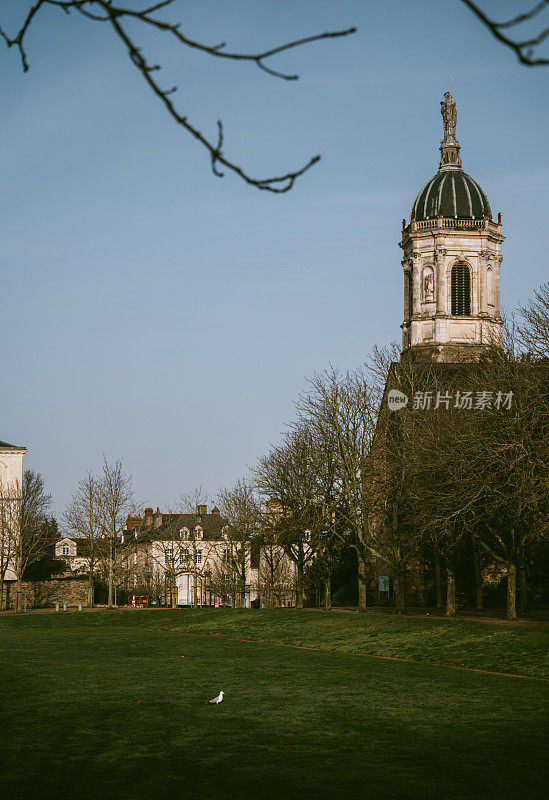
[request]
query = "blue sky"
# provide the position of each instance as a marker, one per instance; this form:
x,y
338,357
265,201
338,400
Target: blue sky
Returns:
x,y
154,312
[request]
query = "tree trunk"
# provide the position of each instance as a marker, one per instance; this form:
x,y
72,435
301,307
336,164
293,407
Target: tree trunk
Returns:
x,y
19,594
299,595
478,575
362,579
90,591
19,571
174,591
111,576
438,577
400,593
421,583
511,590
328,593
450,591
523,586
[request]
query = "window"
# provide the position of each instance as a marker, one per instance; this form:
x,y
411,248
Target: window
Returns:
x,y
66,550
199,556
183,556
461,290
168,554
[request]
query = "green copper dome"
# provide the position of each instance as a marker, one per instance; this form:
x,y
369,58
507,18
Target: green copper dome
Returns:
x,y
451,193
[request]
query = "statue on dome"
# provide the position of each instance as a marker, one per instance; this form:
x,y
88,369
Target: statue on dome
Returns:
x,y
449,116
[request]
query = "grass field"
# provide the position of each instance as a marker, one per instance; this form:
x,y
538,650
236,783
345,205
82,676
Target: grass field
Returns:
x,y
114,705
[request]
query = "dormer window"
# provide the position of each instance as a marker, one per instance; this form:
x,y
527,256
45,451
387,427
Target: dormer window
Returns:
x,y
199,533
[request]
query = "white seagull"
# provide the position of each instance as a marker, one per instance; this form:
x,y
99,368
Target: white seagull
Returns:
x,y
219,699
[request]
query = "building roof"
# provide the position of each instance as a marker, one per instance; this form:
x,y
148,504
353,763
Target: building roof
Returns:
x,y
212,526
14,447
451,193
83,545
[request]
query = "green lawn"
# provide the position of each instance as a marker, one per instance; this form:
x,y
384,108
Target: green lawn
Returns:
x,y
114,705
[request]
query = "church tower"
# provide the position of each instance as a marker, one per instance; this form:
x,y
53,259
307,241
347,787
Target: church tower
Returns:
x,y
451,261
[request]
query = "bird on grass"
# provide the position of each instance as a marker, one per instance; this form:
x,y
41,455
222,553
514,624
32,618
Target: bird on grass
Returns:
x,y
219,699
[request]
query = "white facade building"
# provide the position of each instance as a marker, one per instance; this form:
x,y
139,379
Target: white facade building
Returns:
x,y
188,560
11,482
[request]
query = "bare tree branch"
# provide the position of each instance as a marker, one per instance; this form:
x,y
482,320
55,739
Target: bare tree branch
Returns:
x,y
524,49
116,15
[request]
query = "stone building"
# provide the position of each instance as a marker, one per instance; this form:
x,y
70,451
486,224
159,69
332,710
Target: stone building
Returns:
x,y
196,559
11,481
452,315
187,560
451,261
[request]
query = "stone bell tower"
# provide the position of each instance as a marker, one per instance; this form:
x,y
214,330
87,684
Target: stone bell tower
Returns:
x,y
451,261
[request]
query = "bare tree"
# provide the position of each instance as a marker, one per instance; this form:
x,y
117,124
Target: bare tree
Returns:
x,y
533,324
82,518
482,470
113,502
10,523
525,49
287,478
343,409
121,19
33,539
275,579
241,508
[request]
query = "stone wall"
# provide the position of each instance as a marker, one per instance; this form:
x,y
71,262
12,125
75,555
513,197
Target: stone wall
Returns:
x,y
44,594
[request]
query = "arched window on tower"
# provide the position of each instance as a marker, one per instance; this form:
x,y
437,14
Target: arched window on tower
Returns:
x,y
461,290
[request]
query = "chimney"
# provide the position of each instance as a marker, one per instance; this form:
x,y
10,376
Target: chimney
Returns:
x,y
148,517
157,518
202,510
215,511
